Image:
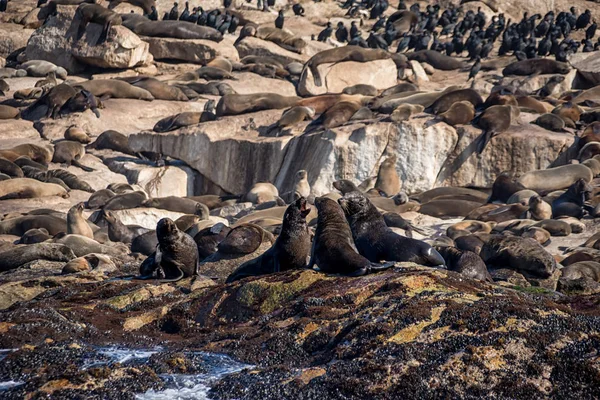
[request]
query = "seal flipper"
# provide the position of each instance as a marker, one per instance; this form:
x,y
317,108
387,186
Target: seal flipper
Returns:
x,y
381,267
483,141
83,167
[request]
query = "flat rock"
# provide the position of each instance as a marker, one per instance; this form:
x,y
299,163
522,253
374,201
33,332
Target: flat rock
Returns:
x,y
190,50
249,83
335,77
252,46
587,65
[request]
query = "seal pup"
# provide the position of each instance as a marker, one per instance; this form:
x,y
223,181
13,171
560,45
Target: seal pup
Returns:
x,y
290,251
404,111
387,178
291,117
465,262
76,223
375,241
333,250
459,113
176,255
571,203
76,134
539,209
69,153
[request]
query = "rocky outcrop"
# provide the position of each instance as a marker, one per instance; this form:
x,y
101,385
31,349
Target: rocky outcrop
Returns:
x,y
588,66
56,42
429,153
335,77
13,37
189,50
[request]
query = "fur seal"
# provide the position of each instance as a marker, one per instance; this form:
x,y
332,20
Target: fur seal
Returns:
x,y
125,201
290,250
293,116
571,202
208,239
395,220
339,114
522,196
19,225
521,254
158,89
469,243
77,134
448,208
536,66
282,38
466,263
588,151
591,133
176,255
33,236
26,188
82,245
112,140
557,178
538,234
145,243
445,102
97,14
387,177
375,241
76,223
404,111
459,113
70,152
34,152
118,232
447,192
235,104
593,164
41,68
244,239
469,226
495,120
539,209
20,255
142,26
116,89
8,112
333,250
182,120
9,168
362,89
261,192
178,204
341,54
551,122
145,5
555,227
436,59
582,269
531,103
301,185
400,88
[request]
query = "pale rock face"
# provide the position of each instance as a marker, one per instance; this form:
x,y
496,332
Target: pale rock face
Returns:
x,y
335,77
419,71
56,41
13,37
190,50
429,154
145,217
588,65
530,84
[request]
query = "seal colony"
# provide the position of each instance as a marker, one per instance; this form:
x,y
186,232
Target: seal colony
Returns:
x,y
262,108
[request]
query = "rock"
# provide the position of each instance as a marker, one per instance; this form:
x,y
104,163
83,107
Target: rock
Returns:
x,y
55,41
581,286
219,266
549,283
587,65
249,83
189,50
143,216
419,72
13,37
509,276
534,83
251,46
335,77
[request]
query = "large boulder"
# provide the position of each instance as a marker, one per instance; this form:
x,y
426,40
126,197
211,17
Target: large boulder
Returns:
x,y
56,42
587,65
252,46
189,50
335,77
13,37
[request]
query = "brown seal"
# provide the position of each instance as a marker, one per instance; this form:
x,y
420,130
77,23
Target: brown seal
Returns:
x,y
291,117
436,59
459,113
534,104
591,133
112,140
20,255
551,122
362,89
495,120
583,269
8,112
445,102
290,250
571,203
556,227
536,66
119,232
97,14
235,104
261,192
182,120
520,254
539,209
11,169
125,201
466,263
588,151
142,26
158,89
178,204
538,234
76,223
116,89
26,188
282,38
339,114
70,152
387,177
244,239
145,5
77,134
557,178
404,111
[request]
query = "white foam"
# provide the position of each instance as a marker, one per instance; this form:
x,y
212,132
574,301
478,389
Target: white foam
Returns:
x,y
9,384
119,355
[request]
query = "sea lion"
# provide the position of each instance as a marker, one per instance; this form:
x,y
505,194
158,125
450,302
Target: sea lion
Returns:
x,y
469,226
531,103
213,201
569,112
469,242
77,134
436,59
404,111
333,250
290,250
261,192
375,241
555,227
445,102
466,263
145,243
400,88
158,89
395,220
341,54
20,255
536,66
425,99
82,245
12,73
495,120
97,14
387,177
282,38
505,213
447,192
41,68
588,151
522,196
70,152
557,178
142,26
538,234
212,88
59,176
523,255
76,223
293,116
112,140
362,89
9,168
26,188
182,120
178,204
24,161
539,209
244,239
593,164
339,114
459,113
176,255
208,239
33,236
235,104
125,201
19,225
448,208
224,64
582,269
516,226
28,94
114,88
51,103
8,112
571,203
587,96
119,232
591,133
301,185
551,122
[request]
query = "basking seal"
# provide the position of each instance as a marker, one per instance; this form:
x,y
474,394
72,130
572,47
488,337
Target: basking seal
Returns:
x,y
158,89
41,68
400,88
176,255
8,112
571,203
34,152
470,226
282,38
591,133
99,198
555,227
11,169
466,263
557,178
593,164
387,177
404,111
243,239
333,250
590,150
70,152
582,269
112,140
447,100
145,243
521,254
362,89
522,196
76,223
339,114
448,208
235,104
26,188
459,113
96,14
116,89
293,116
531,103
341,54
126,200
178,204
538,234
208,239
395,220
33,236
145,5
436,59
76,134
290,250
142,26
119,232
182,120
536,66
539,209
551,122
261,192
20,255
19,225
495,120
375,241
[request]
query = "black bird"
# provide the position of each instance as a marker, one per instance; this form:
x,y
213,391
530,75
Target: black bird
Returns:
x,y
41,3
348,4
379,24
227,3
224,26
474,69
590,32
588,46
486,49
174,13
3,5
279,20
520,55
583,20
403,43
353,29
202,17
391,34
325,33
544,47
186,12
235,21
401,5
341,33
376,42
153,16
298,10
